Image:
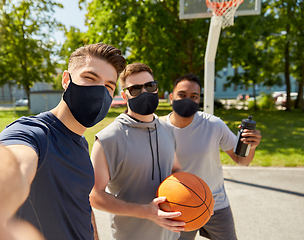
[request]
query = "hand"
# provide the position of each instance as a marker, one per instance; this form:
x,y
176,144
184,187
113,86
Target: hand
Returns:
x,y
19,230
252,137
162,218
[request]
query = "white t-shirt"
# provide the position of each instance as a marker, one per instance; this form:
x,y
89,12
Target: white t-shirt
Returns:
x,y
197,149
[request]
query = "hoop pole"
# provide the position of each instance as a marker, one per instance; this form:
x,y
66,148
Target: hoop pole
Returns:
x,y
212,43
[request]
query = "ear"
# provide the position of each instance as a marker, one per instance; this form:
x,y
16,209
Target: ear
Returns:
x,y
171,98
65,79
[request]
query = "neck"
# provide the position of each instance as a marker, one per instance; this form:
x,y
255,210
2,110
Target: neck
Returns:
x,y
179,121
63,113
143,118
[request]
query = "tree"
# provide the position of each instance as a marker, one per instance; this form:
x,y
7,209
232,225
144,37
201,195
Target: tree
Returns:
x,y
151,32
74,39
247,46
297,50
27,48
288,39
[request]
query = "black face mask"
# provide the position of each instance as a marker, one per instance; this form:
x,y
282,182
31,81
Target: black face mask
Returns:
x,y
88,104
144,104
185,107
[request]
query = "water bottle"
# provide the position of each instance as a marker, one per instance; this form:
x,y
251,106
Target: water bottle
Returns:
x,y
241,149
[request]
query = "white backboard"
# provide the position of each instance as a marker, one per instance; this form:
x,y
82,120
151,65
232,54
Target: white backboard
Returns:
x,y
198,9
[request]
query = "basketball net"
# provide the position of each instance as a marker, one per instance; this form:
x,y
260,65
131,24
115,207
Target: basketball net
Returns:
x,y
223,11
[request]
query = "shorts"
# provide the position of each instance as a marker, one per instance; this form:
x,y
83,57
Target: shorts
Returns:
x,y
219,227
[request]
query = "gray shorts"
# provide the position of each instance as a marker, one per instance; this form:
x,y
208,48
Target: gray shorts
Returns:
x,y
219,227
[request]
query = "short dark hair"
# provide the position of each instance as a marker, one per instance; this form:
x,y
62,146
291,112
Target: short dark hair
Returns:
x,y
102,51
131,69
189,77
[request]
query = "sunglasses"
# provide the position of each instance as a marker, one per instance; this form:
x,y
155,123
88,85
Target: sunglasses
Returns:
x,y
135,90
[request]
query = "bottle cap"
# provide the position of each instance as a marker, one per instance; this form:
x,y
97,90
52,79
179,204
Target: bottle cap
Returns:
x,y
248,123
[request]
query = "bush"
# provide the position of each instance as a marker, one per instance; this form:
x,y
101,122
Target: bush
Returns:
x,y
264,101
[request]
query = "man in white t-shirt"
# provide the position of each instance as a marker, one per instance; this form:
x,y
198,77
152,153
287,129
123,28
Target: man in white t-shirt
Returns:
x,y
199,136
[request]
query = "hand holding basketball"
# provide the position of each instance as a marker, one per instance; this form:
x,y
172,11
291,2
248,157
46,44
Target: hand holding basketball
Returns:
x,y
190,195
162,218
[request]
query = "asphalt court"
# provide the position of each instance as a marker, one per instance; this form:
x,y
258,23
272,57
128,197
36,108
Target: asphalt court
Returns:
x,y
267,203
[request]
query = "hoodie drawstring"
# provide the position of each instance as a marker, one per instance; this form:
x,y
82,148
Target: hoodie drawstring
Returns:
x,y
153,154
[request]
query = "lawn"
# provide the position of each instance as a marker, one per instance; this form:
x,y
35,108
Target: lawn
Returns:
x,y
282,132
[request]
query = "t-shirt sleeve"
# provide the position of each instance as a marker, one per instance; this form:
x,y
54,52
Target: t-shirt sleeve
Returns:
x,y
28,132
228,138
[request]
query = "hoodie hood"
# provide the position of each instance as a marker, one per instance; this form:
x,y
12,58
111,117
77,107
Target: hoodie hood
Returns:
x,y
131,122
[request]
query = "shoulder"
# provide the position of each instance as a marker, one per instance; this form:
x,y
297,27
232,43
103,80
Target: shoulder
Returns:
x,y
210,118
166,126
33,126
163,118
28,131
111,131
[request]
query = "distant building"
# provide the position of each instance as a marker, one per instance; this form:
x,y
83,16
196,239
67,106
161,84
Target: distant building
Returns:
x,y
42,95
221,91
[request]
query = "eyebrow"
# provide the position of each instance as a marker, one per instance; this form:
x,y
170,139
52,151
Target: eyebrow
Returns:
x,y
92,73
191,93
97,76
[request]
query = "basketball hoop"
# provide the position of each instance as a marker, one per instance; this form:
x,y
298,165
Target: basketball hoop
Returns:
x,y
223,11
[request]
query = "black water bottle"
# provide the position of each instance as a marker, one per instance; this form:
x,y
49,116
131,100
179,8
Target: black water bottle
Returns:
x,y
241,149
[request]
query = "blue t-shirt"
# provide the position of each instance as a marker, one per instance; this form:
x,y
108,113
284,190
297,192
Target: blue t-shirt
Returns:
x,y
58,204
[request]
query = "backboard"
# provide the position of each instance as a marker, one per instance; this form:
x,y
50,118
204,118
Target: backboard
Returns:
x,y
198,9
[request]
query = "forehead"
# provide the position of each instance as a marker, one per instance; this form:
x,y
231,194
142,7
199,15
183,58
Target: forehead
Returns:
x,y
138,78
99,66
187,86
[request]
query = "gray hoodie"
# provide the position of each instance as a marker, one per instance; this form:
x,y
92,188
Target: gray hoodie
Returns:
x,y
139,155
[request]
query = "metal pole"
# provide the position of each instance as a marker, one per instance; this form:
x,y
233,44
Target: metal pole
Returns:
x,y
212,43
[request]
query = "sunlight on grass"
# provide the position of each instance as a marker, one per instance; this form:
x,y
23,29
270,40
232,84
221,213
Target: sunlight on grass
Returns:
x,y
282,132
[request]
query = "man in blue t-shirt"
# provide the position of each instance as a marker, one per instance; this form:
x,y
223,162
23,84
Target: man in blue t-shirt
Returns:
x,y
45,164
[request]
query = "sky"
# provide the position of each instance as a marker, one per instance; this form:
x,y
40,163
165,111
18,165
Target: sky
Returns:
x,y
70,15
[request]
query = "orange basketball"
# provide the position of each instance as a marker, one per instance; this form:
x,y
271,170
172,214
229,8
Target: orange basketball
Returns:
x,y
188,194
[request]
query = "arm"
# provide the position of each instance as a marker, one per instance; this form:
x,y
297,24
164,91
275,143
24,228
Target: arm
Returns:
x,y
252,137
94,225
18,167
106,202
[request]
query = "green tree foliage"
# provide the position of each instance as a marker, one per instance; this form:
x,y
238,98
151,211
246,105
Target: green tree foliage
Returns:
x,y
248,47
74,39
286,39
297,49
26,50
151,32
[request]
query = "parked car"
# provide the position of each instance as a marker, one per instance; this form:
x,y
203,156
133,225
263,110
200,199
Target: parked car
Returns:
x,y
21,102
242,97
277,94
281,100
118,101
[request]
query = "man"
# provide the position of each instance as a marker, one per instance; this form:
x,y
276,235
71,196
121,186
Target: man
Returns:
x,y
45,159
198,138
131,157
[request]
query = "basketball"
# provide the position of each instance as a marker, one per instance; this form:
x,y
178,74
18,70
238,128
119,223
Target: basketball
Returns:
x,y
188,194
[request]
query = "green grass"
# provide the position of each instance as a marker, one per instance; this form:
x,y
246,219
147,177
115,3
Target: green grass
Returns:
x,y
282,132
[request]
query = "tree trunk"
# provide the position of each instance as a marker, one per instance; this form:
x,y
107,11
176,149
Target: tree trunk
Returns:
x,y
27,90
287,75
287,61
254,97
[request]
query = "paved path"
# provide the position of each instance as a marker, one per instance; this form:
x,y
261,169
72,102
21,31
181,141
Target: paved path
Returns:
x,y
267,203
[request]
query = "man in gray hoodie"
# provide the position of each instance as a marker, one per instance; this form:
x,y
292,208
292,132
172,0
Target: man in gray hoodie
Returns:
x,y
131,157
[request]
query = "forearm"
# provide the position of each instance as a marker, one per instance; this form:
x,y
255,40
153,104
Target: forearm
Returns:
x,y
106,202
245,161
14,187
93,220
